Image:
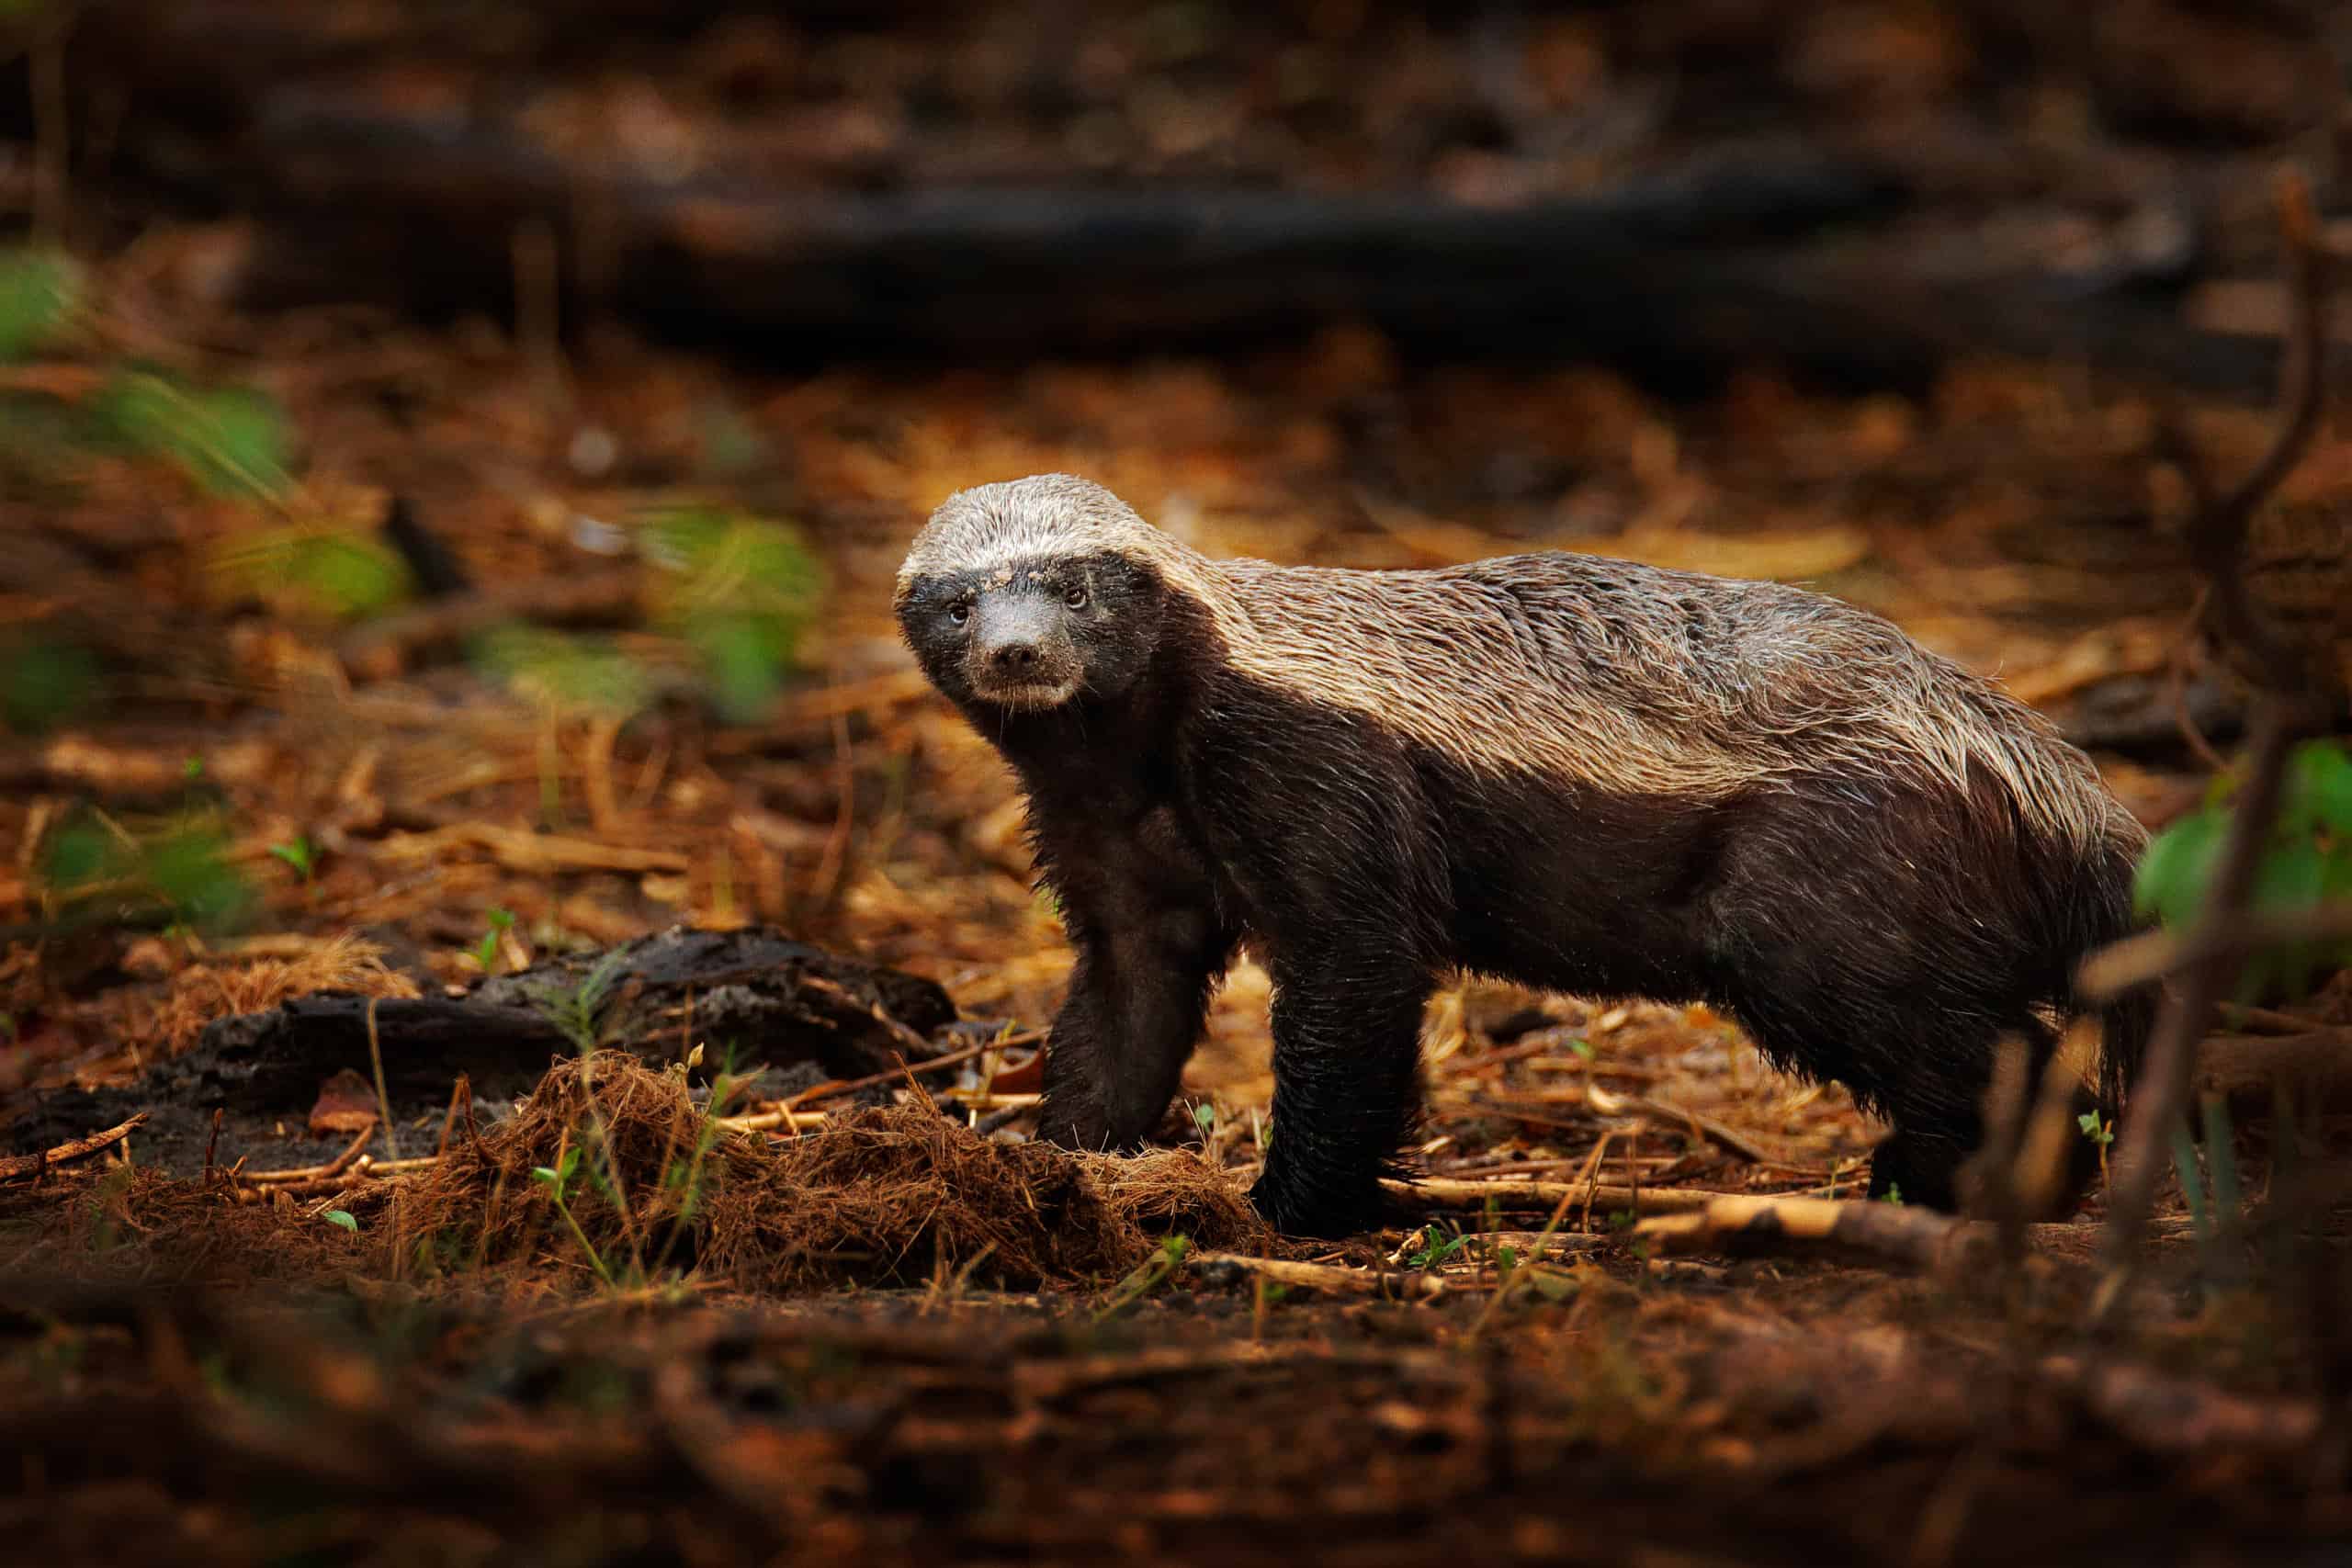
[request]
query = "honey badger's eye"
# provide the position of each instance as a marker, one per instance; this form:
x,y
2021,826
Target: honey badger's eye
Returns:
x,y
1075,596
959,612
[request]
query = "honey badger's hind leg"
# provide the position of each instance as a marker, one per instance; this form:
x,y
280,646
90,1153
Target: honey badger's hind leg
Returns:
x,y
1347,1088
1922,1067
1886,942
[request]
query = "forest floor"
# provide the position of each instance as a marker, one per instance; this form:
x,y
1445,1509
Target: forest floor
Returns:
x,y
874,1329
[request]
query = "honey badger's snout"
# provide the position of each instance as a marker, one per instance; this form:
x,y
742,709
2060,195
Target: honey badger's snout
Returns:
x,y
1021,649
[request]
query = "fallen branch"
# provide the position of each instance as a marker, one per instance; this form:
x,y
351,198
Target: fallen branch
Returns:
x,y
1333,1279
770,1120
1887,1233
1451,1195
15,1167
534,855
2164,1414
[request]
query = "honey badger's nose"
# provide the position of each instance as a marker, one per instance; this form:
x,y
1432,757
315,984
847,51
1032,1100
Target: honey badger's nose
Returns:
x,y
1013,657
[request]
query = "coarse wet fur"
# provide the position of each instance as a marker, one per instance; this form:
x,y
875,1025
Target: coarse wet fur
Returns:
x,y
1577,773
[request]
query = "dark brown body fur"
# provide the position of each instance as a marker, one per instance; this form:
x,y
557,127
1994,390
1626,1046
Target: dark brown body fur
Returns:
x,y
1580,775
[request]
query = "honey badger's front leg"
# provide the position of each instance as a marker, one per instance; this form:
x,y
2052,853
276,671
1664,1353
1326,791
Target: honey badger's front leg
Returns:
x,y
1347,1033
1137,999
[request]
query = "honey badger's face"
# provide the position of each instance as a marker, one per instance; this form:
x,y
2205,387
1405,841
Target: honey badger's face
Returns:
x,y
1019,597
1033,634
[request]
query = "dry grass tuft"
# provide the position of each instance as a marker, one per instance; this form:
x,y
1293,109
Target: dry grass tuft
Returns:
x,y
882,1196
203,992
891,1196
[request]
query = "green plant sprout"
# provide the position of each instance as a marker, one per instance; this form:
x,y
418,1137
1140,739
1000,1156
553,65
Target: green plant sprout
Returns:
x,y
1153,1273
557,1180
2100,1131
298,853
486,950
579,1011
1436,1248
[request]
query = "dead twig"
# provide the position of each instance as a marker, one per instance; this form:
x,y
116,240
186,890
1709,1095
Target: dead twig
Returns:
x,y
2157,955
907,1038
1440,1194
527,853
2281,708
816,1092
383,1095
335,1167
461,1093
36,1164
1330,1278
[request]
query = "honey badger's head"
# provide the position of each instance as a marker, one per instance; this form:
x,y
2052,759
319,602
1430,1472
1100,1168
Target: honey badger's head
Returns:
x,y
1031,595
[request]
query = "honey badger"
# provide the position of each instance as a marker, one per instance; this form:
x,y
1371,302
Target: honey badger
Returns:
x,y
1571,773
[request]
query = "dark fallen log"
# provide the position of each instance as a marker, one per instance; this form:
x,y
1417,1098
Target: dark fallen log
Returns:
x,y
770,1000
1793,253
753,998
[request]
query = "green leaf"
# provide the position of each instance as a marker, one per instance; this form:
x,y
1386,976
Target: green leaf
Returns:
x,y
39,291
336,572
571,673
188,868
739,591
78,855
1551,1284
2319,787
2174,874
2293,876
1582,1047
230,442
295,854
44,683
743,658
342,1217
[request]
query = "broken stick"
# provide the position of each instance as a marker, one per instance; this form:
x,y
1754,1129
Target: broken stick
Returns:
x,y
14,1166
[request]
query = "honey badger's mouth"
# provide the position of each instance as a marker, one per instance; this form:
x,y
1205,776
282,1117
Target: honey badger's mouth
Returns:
x,y
1026,697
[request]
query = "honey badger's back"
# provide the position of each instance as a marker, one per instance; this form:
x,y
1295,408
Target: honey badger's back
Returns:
x,y
1630,678
1655,783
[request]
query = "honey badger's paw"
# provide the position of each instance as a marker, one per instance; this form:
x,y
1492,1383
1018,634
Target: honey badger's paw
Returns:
x,y
1324,1213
